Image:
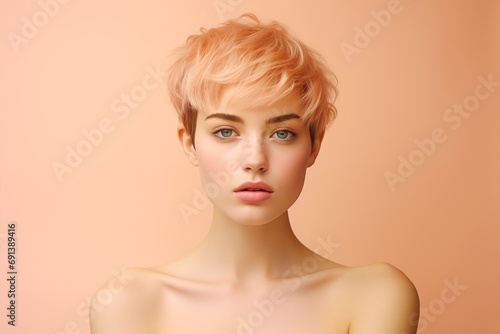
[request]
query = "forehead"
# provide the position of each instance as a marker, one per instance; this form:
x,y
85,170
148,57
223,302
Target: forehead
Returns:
x,y
230,103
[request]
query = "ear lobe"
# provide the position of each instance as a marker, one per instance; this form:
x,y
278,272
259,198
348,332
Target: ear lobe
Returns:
x,y
187,144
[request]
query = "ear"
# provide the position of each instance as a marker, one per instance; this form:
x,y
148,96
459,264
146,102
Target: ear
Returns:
x,y
315,150
187,144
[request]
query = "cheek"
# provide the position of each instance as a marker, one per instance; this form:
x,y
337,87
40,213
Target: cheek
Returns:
x,y
215,164
209,163
292,167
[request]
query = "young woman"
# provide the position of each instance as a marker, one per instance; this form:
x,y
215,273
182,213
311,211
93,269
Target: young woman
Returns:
x,y
253,104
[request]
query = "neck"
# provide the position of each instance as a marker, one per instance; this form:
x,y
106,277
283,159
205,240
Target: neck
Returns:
x,y
248,253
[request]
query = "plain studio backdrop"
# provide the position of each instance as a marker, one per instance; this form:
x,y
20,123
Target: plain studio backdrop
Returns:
x,y
94,179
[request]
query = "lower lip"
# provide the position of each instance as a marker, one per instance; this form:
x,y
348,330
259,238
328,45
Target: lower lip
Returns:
x,y
253,196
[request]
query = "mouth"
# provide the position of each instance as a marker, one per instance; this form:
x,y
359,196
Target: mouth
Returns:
x,y
253,192
254,187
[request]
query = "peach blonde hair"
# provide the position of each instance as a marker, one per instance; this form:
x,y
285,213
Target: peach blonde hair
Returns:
x,y
263,63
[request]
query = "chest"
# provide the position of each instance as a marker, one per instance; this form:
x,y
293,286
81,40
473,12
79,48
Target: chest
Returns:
x,y
284,308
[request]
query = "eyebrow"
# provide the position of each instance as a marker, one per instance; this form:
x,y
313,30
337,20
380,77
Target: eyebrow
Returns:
x,y
237,119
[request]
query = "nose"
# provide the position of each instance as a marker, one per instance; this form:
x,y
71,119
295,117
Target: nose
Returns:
x,y
254,157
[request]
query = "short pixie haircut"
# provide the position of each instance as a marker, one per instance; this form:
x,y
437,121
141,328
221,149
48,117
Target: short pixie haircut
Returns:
x,y
261,63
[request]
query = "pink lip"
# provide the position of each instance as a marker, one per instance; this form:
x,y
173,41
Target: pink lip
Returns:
x,y
254,185
261,193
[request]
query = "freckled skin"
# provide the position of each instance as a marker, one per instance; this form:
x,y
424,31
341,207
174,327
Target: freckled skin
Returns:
x,y
251,274
259,154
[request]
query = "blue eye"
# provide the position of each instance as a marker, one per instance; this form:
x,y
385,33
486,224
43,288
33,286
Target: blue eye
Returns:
x,y
284,134
224,133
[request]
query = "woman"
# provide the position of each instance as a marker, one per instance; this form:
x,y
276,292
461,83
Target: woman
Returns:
x,y
253,105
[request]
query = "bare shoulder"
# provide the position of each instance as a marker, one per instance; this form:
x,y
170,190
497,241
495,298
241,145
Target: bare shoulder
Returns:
x,y
124,303
378,275
384,300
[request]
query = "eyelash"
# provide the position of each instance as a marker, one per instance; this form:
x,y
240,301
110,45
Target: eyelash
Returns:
x,y
291,135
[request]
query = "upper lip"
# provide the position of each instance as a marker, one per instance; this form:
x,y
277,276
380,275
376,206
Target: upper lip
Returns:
x,y
254,185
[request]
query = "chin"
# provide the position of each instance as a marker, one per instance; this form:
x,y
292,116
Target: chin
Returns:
x,y
254,216
248,222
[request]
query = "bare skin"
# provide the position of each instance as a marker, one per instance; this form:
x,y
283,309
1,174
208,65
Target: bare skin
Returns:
x,y
251,274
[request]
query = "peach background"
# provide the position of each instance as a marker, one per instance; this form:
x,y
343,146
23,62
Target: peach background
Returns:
x,y
119,207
